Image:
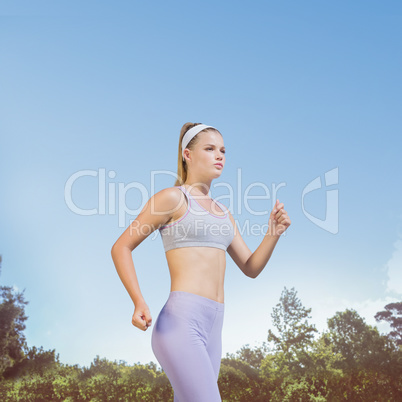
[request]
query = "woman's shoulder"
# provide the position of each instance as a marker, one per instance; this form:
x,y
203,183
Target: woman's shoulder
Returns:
x,y
169,196
169,191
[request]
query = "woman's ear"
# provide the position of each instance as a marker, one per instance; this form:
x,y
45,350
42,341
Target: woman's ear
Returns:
x,y
186,154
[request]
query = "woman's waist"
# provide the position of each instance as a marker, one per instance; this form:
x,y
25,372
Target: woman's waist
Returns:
x,y
199,270
213,294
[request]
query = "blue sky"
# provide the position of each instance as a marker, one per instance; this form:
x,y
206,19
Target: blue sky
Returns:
x,y
297,89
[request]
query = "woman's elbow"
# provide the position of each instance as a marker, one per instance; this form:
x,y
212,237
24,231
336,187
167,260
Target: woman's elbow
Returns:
x,y
119,247
248,272
252,275
115,249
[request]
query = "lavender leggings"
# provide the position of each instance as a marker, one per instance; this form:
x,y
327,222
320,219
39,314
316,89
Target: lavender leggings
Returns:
x,y
186,340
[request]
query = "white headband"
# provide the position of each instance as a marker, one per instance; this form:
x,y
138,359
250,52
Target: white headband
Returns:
x,y
190,134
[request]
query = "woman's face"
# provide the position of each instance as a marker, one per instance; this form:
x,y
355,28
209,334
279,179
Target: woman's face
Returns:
x,y
209,151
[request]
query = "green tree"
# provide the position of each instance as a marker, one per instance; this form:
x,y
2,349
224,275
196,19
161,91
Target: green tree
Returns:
x,y
290,356
238,381
360,344
12,318
323,373
393,315
295,335
34,361
253,356
109,381
371,365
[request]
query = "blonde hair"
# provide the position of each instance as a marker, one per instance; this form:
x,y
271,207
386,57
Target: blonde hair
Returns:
x,y
182,165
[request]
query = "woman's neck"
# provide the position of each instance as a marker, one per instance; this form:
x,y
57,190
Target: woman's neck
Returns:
x,y
202,189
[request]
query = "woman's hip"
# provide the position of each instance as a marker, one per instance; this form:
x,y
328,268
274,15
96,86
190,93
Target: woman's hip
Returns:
x,y
185,314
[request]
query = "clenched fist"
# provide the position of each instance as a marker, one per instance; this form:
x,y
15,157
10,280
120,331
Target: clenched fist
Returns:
x,y
279,220
142,317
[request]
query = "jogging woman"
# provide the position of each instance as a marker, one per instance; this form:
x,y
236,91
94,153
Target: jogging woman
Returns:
x,y
196,232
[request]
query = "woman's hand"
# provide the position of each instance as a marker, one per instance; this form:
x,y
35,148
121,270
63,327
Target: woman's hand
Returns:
x,y
142,317
279,220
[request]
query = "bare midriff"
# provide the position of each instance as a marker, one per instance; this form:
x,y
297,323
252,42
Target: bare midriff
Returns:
x,y
199,270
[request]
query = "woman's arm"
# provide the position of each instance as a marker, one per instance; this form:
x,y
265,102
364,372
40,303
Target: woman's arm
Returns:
x,y
253,263
156,212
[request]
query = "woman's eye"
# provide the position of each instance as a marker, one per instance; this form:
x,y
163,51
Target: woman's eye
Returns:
x,y
212,148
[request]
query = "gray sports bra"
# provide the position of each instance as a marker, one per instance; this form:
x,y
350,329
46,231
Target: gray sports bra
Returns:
x,y
198,228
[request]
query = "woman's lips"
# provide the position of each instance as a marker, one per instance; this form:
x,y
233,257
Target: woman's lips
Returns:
x,y
219,165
